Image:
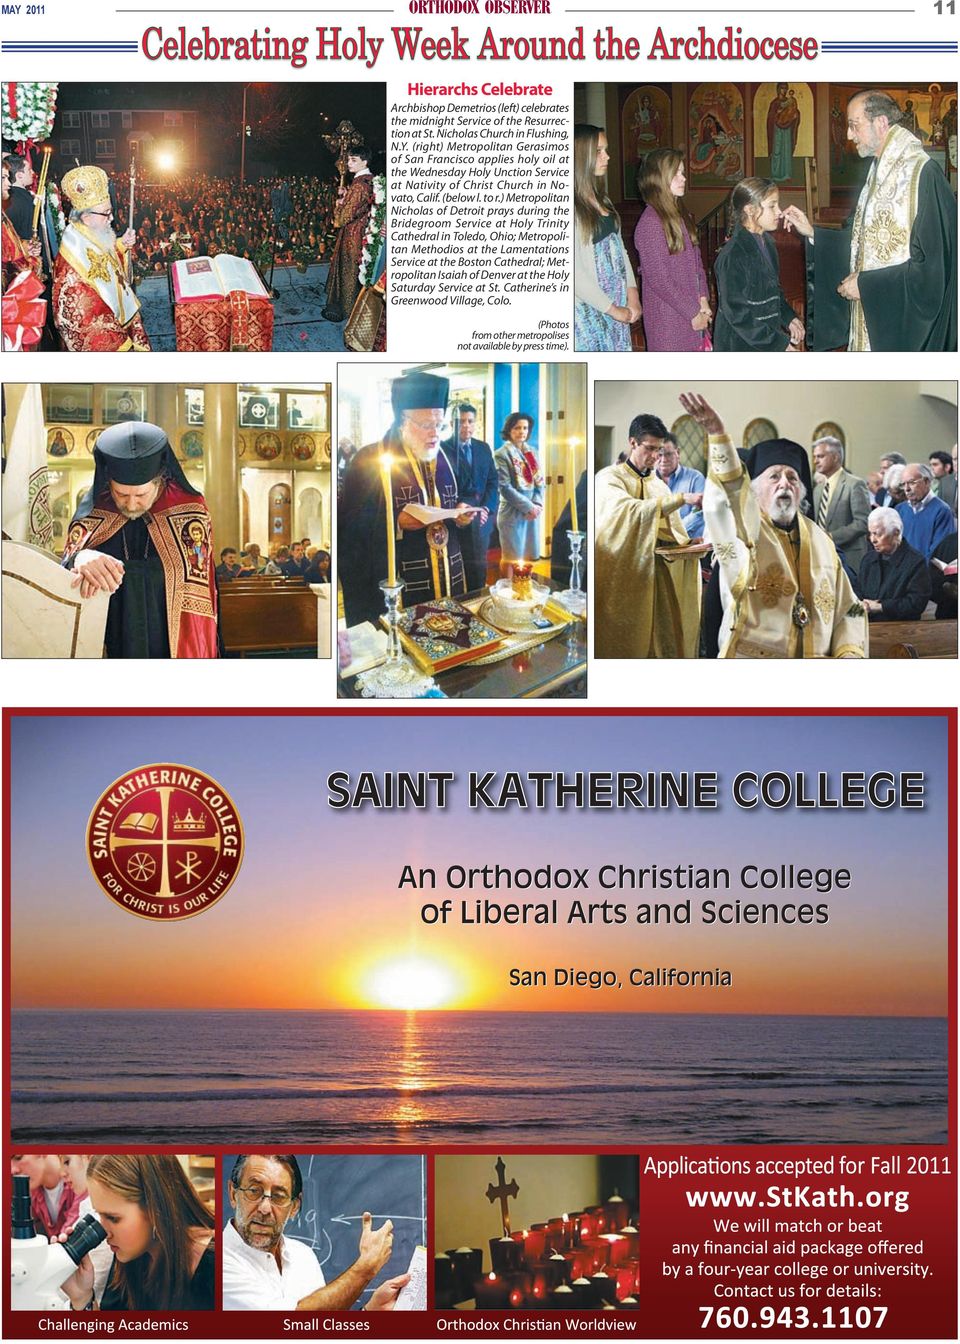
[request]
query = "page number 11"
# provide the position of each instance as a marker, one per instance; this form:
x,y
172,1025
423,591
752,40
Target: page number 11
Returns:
x,y
946,6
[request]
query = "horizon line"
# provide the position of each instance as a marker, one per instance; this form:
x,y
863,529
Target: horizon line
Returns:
x,y
518,1012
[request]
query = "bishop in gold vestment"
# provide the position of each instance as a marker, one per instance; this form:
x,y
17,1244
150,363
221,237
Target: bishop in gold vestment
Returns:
x,y
785,593
647,599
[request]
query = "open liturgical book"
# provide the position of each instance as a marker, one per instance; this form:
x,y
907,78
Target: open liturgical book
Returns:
x,y
197,278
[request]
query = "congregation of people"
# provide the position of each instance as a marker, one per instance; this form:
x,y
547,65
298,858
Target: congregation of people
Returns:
x,y
199,215
777,552
297,560
885,281
74,287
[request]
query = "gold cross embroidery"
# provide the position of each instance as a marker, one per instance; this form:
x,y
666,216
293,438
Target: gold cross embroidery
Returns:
x,y
773,584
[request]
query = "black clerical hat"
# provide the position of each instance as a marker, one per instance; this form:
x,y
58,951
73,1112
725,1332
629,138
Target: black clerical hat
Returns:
x,y
131,453
415,391
779,453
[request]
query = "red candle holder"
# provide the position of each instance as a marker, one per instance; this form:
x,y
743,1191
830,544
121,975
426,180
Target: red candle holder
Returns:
x,y
624,1277
619,1247
599,1249
589,1225
535,1242
633,1240
617,1213
492,1293
580,1260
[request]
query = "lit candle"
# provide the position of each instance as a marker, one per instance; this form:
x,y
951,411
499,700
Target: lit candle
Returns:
x,y
620,1248
386,462
572,468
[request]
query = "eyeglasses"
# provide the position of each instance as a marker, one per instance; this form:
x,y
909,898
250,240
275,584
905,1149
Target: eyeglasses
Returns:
x,y
101,214
425,426
255,1194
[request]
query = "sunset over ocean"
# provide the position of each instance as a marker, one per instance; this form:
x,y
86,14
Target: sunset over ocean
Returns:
x,y
455,973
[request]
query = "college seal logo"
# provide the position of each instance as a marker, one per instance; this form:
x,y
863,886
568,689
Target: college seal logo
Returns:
x,y
164,841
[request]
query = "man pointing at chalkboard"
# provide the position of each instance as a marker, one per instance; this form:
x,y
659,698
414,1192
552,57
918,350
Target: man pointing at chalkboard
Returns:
x,y
265,1271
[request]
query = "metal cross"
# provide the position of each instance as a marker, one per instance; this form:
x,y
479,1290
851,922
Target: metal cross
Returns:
x,y
503,1192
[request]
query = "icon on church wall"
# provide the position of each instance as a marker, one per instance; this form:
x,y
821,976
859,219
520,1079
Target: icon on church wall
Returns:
x,y
646,123
783,131
716,134
59,442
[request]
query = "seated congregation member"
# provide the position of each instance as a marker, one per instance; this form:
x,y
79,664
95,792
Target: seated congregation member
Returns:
x,y
676,305
783,589
894,583
161,1235
296,563
752,311
318,570
926,519
229,566
841,502
605,288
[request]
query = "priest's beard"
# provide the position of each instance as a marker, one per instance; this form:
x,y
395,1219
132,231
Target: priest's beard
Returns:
x,y
102,231
783,509
425,453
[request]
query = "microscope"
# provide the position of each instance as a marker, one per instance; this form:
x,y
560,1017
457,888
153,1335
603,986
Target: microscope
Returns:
x,y
38,1266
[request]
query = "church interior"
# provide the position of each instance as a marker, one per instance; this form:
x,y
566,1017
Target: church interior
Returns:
x,y
869,419
911,417
258,453
554,394
792,132
536,1232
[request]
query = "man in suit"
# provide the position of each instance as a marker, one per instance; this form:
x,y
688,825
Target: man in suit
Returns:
x,y
473,466
841,502
944,483
883,498
19,207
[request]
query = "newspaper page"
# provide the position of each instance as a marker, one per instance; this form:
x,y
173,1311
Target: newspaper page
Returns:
x,y
619,995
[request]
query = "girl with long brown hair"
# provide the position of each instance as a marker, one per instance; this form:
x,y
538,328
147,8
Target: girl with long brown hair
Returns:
x,y
607,300
160,1233
676,305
